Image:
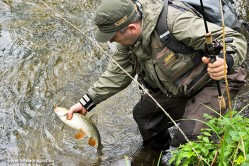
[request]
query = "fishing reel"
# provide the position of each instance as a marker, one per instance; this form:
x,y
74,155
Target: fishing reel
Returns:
x,y
218,46
214,47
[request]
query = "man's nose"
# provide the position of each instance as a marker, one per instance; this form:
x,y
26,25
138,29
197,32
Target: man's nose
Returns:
x,y
112,40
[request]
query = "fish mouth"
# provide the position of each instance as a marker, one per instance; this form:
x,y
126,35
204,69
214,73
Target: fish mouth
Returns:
x,y
60,114
56,109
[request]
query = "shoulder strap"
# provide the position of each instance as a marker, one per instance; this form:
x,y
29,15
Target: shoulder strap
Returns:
x,y
166,37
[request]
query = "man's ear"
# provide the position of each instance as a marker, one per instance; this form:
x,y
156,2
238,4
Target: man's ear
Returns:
x,y
133,28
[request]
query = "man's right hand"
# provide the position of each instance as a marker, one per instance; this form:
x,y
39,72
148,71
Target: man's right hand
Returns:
x,y
76,108
216,70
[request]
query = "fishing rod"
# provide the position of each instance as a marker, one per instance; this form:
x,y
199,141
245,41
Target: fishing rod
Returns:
x,y
213,48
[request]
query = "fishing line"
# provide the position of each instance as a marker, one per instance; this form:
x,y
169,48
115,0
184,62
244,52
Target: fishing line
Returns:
x,y
135,81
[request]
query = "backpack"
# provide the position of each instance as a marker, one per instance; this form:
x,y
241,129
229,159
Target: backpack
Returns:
x,y
212,14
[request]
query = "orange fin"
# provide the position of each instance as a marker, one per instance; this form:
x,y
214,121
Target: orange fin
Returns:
x,y
92,142
79,135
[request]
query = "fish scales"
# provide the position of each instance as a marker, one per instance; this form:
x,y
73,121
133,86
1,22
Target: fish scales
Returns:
x,y
82,124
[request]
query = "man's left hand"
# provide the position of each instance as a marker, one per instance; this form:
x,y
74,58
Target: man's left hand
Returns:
x,y
216,69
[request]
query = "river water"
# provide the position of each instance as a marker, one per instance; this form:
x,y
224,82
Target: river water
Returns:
x,y
45,62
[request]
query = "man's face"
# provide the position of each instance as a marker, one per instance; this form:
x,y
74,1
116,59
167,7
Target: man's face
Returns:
x,y
123,38
127,38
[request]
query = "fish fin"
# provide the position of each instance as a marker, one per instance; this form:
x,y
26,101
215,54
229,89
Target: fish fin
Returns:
x,y
79,135
92,142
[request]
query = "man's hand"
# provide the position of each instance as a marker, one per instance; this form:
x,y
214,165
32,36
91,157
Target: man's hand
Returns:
x,y
216,69
76,108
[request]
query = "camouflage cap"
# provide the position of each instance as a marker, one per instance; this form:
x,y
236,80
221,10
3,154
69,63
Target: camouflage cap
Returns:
x,y
111,16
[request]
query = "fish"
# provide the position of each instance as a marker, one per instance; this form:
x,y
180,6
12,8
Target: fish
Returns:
x,y
82,124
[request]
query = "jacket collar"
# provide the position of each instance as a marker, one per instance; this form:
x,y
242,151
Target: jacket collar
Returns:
x,y
151,12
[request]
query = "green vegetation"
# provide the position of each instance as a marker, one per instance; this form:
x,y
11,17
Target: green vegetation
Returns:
x,y
224,142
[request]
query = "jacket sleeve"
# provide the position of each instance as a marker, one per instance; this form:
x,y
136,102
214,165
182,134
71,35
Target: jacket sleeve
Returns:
x,y
190,29
114,79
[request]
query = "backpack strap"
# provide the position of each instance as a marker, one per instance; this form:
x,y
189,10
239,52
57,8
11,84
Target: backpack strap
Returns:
x,y
166,37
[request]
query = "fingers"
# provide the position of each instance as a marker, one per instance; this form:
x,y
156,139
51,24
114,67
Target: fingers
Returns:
x,y
76,108
216,70
205,60
216,73
70,114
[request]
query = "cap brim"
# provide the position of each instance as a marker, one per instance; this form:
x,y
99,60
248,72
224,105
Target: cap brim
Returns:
x,y
103,37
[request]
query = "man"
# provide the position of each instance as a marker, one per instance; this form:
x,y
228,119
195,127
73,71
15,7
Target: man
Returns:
x,y
140,51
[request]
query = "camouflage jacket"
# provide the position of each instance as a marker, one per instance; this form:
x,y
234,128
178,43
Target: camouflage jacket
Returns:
x,y
186,27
